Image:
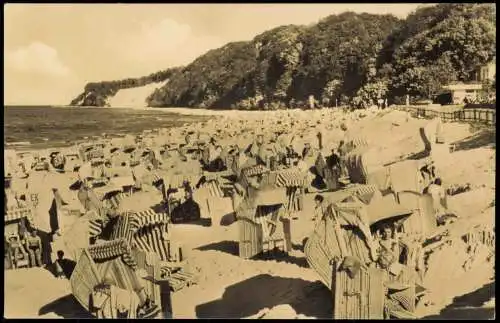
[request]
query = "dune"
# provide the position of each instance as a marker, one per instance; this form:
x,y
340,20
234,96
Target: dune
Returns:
x,y
133,97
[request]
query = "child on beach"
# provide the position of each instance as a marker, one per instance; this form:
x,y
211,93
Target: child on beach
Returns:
x,y
63,267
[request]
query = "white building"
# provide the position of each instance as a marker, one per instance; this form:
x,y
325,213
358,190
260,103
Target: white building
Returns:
x,y
460,91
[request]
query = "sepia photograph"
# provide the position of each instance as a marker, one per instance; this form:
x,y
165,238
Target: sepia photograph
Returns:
x,y
249,161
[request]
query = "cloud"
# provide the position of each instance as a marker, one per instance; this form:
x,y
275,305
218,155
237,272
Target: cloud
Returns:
x,y
36,58
170,43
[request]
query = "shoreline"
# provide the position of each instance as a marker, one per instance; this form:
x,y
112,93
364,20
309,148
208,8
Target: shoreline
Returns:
x,y
183,111
211,114
221,115
194,111
182,114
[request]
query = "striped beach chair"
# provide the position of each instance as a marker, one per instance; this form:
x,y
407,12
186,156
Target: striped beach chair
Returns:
x,y
145,230
115,262
262,229
16,213
290,178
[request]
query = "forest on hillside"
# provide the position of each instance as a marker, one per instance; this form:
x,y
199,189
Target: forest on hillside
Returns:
x,y
349,59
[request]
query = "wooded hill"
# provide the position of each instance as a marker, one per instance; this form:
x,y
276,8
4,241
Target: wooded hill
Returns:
x,y
348,58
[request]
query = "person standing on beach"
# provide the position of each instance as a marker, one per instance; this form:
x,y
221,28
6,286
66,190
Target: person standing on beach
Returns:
x,y
22,228
333,161
63,267
438,193
342,152
288,156
34,247
319,209
320,140
380,103
302,165
306,151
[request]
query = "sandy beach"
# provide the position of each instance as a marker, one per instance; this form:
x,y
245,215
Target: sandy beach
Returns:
x,y
229,286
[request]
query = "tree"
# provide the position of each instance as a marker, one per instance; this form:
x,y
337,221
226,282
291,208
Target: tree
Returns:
x,y
331,91
356,57
439,44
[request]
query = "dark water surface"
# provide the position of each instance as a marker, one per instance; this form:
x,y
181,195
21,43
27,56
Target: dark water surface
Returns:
x,y
45,126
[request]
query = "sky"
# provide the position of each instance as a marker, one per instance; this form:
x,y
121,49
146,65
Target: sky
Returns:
x,y
52,50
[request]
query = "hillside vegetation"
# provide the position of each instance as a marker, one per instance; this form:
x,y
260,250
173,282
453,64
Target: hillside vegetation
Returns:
x,y
343,59
97,93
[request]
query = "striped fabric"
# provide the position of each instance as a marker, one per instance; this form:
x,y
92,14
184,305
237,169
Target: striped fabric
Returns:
x,y
112,249
120,274
121,228
255,170
294,199
95,228
143,229
290,178
155,177
365,192
269,180
213,189
244,212
481,234
358,142
356,245
108,249
18,213
95,153
150,239
149,261
394,309
263,215
97,163
211,176
114,201
147,218
262,222
365,189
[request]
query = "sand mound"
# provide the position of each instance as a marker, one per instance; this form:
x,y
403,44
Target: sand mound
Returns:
x,y
44,295
133,97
